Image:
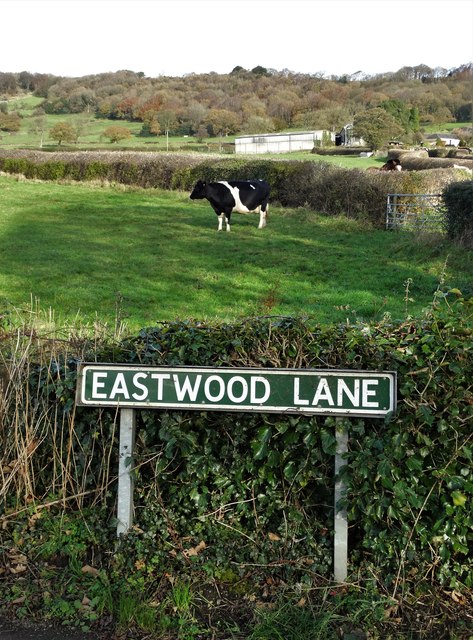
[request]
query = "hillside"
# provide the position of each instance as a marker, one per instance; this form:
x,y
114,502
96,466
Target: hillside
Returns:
x,y
243,101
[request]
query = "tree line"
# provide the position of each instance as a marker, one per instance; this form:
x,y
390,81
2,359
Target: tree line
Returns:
x,y
251,101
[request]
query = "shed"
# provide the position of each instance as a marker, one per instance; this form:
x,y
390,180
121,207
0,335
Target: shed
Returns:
x,y
346,138
282,142
447,139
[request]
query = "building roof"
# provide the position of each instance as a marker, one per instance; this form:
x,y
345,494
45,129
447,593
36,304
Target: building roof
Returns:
x,y
283,134
449,136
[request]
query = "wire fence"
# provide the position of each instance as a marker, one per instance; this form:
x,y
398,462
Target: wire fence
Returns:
x,y
416,212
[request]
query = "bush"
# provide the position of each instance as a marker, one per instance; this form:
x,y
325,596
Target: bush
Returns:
x,y
439,151
52,170
10,122
458,198
15,165
340,151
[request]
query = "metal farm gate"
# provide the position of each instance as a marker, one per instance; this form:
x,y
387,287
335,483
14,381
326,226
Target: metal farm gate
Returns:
x,y
415,212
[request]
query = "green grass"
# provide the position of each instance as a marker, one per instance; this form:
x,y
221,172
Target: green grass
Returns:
x,y
25,105
319,621
346,162
90,132
445,127
96,252
90,128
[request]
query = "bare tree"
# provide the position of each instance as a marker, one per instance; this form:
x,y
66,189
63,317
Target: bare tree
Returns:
x,y
168,121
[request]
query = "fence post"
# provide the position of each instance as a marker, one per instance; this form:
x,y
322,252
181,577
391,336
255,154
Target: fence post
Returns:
x,y
125,464
340,549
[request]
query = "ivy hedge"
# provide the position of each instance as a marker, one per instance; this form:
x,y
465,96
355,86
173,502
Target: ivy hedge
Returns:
x,y
458,198
239,495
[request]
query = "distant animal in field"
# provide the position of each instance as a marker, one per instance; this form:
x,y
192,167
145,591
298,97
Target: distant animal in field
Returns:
x,y
243,196
391,165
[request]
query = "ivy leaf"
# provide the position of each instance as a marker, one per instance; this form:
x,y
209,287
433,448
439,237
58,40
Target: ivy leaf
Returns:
x,y
310,439
459,499
414,464
459,547
290,470
328,441
260,444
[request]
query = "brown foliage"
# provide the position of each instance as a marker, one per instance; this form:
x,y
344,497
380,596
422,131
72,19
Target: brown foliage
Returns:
x,y
281,97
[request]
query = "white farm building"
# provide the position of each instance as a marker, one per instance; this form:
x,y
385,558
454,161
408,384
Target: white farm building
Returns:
x,y
282,142
447,139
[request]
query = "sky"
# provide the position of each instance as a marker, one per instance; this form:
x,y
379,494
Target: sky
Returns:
x,y
75,38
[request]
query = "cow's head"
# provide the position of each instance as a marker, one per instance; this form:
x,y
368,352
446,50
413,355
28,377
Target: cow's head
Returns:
x,y
394,164
199,191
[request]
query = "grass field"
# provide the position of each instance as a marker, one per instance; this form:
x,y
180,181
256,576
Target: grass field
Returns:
x,y
90,252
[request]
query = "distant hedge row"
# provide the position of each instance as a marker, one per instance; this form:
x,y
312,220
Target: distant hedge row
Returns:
x,y
323,187
421,160
143,169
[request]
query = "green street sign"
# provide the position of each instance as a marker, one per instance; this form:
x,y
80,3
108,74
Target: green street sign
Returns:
x,y
306,391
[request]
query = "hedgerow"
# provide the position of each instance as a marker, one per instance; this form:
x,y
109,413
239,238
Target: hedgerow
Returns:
x,y
251,494
133,168
458,199
328,189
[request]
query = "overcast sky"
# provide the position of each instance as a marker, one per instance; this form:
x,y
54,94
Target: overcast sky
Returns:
x,y
178,37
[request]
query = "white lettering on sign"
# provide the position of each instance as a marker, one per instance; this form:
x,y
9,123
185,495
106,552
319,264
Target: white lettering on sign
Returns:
x,y
297,399
186,388
323,393
96,384
353,394
244,389
221,391
137,383
354,397
267,389
119,387
367,392
160,377
237,388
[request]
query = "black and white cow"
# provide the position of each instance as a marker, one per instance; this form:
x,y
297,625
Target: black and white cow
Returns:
x,y
243,196
391,165
394,164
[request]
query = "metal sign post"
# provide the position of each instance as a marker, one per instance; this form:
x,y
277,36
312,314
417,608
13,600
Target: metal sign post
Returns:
x,y
340,545
125,465
341,393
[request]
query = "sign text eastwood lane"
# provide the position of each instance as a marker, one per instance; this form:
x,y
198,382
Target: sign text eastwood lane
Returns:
x,y
308,391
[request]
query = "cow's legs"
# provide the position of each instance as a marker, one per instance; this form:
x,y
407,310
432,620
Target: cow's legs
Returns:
x,y
262,217
221,218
